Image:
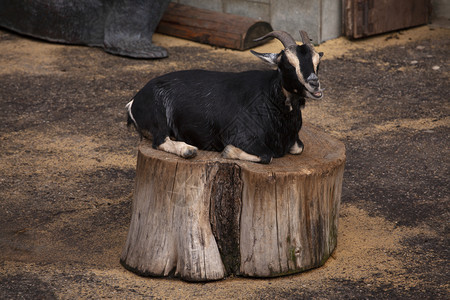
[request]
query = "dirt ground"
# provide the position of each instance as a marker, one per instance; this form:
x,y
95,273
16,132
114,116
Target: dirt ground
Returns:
x,y
67,169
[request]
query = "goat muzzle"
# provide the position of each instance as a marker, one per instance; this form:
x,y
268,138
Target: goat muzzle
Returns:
x,y
317,93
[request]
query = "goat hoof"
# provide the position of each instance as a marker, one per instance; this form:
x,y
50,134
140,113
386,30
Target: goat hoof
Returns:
x,y
190,153
142,48
297,148
265,160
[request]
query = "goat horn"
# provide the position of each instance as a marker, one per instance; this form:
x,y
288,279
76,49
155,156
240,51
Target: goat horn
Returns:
x,y
305,38
284,38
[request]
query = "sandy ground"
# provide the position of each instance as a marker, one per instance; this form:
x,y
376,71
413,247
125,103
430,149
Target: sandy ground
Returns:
x,y
67,164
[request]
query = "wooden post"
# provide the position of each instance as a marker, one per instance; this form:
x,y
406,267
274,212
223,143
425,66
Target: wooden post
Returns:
x,y
205,218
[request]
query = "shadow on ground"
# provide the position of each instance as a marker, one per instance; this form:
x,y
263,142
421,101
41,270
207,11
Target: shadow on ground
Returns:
x,y
67,167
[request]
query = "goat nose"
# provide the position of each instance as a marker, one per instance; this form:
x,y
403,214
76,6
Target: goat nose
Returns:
x,y
312,77
314,83
313,80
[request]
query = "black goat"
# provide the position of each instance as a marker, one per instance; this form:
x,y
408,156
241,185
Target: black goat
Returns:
x,y
253,115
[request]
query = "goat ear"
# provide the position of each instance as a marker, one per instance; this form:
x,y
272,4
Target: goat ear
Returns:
x,y
271,58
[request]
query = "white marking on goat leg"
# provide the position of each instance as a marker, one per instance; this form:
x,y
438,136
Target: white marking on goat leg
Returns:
x,y
296,149
179,148
232,152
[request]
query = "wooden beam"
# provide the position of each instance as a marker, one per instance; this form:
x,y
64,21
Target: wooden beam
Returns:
x,y
213,28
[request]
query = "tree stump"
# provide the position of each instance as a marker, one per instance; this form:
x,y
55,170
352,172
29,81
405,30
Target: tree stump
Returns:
x,y
206,218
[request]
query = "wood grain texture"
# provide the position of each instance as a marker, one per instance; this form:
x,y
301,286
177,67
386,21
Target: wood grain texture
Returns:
x,y
213,28
369,17
170,230
205,218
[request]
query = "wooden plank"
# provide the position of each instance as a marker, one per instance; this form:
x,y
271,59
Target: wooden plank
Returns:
x,y
200,35
213,28
369,17
191,16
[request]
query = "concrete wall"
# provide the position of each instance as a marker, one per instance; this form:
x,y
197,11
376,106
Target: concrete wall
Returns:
x,y
320,18
441,8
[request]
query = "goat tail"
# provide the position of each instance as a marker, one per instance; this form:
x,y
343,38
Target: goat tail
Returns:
x,y
131,119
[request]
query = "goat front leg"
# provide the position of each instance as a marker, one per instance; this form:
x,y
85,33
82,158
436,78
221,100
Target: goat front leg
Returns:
x,y
179,148
232,152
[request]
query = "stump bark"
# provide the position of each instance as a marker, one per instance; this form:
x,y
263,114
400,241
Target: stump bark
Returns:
x,y
206,218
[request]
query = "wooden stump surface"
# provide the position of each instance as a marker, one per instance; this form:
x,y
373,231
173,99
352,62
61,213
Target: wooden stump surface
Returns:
x,y
206,218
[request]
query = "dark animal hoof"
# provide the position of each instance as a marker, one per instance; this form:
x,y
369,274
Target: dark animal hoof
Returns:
x,y
136,49
265,160
190,153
